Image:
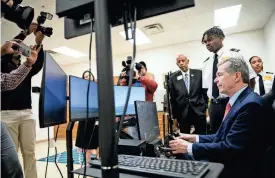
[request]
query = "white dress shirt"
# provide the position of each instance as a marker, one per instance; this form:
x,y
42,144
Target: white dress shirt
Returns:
x,y
207,71
267,80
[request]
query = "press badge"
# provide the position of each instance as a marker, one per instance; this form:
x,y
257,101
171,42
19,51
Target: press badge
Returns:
x,y
179,77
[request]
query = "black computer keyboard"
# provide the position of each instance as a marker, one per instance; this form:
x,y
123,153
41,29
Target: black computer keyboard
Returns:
x,y
159,166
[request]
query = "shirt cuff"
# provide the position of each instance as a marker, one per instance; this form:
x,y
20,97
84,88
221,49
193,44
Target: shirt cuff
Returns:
x,y
189,149
25,67
197,138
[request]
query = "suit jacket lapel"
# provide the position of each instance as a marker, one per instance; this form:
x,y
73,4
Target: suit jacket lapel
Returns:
x,y
193,80
241,97
182,82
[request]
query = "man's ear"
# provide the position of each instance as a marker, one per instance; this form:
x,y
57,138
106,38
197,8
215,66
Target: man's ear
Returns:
x,y
238,76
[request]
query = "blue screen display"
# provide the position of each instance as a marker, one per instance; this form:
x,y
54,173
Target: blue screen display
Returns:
x,y
78,99
53,97
137,94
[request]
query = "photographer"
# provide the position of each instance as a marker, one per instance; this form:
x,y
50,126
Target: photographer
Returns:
x,y
12,80
10,165
16,104
144,79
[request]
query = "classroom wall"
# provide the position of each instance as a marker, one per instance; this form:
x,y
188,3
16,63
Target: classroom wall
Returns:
x,y
162,60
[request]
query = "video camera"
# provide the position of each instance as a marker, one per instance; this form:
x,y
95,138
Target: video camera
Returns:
x,y
48,31
21,15
127,67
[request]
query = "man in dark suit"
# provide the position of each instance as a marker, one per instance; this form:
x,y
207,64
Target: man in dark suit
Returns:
x,y
240,142
188,99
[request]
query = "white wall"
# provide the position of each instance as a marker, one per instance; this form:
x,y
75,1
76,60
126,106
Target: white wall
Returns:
x,y
162,60
269,37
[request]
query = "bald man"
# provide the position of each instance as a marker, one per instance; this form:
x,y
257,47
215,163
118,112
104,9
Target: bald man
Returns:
x,y
188,98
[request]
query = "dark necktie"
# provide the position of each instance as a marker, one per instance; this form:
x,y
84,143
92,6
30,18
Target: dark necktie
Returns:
x,y
215,90
261,85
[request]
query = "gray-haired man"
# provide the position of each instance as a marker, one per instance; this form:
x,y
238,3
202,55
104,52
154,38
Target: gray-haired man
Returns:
x,y
234,143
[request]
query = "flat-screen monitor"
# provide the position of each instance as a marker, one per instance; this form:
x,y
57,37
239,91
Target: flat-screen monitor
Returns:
x,y
137,94
53,96
74,11
78,99
147,118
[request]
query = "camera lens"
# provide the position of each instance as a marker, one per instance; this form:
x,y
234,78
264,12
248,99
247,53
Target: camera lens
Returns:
x,y
22,16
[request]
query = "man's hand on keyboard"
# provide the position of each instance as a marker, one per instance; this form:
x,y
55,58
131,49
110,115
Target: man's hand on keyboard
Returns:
x,y
188,137
178,146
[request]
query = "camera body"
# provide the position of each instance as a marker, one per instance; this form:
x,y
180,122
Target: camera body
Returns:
x,y
22,16
127,68
48,31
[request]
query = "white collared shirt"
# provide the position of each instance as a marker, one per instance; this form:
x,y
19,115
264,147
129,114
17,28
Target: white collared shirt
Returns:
x,y
268,81
207,70
183,75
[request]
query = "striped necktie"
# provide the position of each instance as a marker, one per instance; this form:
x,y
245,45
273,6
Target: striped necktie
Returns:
x,y
186,81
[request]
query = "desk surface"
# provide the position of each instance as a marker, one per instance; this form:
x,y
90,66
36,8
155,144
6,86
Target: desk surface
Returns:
x,y
215,170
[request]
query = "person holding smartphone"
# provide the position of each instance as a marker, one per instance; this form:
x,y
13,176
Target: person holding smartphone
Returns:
x,y
16,105
10,165
11,80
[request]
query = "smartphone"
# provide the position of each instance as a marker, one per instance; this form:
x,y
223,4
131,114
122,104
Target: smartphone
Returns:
x,y
24,49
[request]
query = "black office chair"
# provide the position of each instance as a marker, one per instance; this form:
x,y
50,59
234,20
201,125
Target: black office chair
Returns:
x,y
269,157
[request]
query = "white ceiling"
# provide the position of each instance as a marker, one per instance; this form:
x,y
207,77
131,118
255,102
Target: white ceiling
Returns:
x,y
179,27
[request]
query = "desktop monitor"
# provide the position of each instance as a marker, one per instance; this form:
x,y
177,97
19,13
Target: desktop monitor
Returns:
x,y
120,92
53,96
78,99
148,125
